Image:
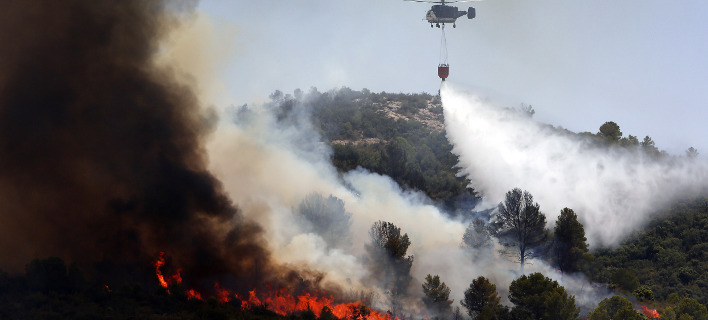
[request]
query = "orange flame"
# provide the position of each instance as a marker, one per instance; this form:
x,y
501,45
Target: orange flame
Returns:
x,y
650,313
158,264
283,303
175,278
193,295
278,301
222,295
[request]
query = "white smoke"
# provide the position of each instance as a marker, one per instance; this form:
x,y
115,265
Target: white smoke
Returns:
x,y
269,167
613,190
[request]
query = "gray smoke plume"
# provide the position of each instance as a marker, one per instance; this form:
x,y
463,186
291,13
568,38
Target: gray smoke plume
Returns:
x,y
101,154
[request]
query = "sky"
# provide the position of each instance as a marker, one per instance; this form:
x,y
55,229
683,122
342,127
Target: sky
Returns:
x,y
579,64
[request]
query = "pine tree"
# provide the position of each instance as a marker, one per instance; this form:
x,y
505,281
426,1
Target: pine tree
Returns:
x,y
437,296
520,226
481,293
388,262
476,236
537,297
570,244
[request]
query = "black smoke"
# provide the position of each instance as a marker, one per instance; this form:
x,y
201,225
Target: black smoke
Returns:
x,y
101,152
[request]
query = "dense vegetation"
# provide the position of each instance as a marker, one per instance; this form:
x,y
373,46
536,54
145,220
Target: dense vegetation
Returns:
x,y
388,134
399,135
669,256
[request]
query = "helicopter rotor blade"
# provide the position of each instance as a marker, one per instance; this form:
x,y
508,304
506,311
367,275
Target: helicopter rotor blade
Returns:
x,y
442,2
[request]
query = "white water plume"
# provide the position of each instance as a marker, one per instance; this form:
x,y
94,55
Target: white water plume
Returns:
x,y
613,190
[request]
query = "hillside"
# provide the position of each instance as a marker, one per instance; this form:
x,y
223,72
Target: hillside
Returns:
x,y
399,135
403,136
669,256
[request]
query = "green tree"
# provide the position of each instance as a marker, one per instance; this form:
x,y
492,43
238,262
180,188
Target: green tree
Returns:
x,y
569,245
396,157
538,297
688,308
495,312
643,293
437,296
610,132
481,293
476,236
649,147
388,262
686,274
328,218
692,153
629,141
625,279
520,226
615,307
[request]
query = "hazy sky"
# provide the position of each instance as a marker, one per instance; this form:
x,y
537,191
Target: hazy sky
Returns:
x,y
642,64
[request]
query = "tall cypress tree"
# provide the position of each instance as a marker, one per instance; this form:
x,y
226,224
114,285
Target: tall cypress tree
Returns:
x,y
570,244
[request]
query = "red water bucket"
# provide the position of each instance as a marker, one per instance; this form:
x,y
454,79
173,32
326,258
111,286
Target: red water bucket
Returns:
x,y
443,71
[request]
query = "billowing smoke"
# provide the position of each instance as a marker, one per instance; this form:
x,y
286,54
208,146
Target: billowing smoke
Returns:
x,y
102,155
613,190
271,166
106,156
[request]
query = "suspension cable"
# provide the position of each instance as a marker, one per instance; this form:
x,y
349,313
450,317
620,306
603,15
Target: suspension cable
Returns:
x,y
443,47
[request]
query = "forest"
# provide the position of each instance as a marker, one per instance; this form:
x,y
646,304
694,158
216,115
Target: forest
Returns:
x,y
663,268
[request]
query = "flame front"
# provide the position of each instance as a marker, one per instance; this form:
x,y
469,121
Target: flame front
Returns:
x,y
158,264
279,301
283,303
223,295
650,313
193,295
175,278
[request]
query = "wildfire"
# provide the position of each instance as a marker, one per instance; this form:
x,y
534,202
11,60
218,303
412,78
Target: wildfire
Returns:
x,y
650,313
283,303
193,295
175,278
223,295
279,301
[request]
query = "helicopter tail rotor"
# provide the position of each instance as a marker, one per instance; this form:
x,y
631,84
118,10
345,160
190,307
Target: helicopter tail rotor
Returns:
x,y
471,13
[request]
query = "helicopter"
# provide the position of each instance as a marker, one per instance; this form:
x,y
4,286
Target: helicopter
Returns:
x,y
442,13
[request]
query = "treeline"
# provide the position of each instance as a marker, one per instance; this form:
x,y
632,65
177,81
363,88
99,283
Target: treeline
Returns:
x,y
610,135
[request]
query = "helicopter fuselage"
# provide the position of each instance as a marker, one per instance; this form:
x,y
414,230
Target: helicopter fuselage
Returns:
x,y
444,14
